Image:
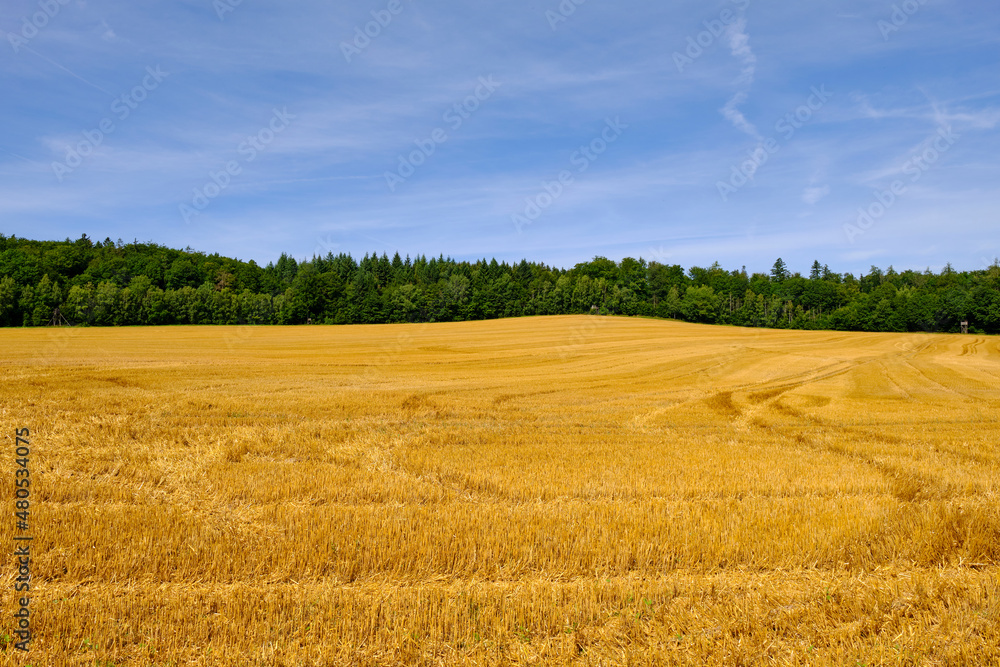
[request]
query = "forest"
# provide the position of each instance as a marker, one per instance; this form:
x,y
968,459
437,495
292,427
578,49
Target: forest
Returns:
x,y
121,284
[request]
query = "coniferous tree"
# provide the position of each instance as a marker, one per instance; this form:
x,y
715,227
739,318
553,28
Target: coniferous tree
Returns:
x,y
113,283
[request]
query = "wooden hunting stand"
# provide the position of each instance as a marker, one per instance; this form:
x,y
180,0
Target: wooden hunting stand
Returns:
x,y
965,326
58,320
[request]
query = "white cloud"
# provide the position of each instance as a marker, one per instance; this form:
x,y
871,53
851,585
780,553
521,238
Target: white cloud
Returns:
x,y
736,117
813,195
739,45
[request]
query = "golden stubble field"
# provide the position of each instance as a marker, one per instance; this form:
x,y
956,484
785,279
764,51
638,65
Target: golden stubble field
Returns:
x,y
564,490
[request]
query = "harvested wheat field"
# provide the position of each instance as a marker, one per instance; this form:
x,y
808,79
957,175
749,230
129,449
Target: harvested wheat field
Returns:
x,y
564,490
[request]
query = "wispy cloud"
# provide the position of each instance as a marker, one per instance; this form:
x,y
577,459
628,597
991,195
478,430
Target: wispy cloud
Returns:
x,y
739,46
107,33
736,117
812,196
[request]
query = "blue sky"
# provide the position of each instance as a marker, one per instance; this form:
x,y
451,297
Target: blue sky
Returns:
x,y
682,132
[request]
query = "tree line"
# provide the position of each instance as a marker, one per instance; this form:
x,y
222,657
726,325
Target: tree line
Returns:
x,y
114,284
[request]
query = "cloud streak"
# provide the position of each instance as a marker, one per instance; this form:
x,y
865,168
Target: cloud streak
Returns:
x,y
739,47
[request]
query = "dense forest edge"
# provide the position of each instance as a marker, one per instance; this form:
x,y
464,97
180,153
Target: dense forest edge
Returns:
x,y
114,284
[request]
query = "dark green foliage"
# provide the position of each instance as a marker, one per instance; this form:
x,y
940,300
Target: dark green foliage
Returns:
x,y
116,284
